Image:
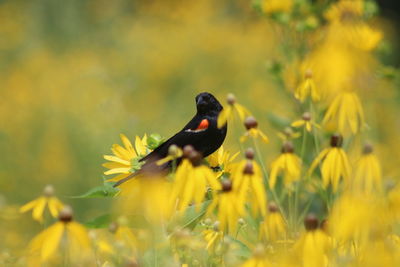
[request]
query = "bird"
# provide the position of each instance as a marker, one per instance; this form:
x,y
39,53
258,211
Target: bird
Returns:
x,y
201,133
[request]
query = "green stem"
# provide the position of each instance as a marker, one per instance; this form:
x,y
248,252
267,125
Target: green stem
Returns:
x,y
265,173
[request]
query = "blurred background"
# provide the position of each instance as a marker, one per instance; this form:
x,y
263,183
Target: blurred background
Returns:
x,y
75,74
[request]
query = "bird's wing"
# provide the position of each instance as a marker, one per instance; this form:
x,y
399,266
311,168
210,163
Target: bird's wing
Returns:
x,y
182,138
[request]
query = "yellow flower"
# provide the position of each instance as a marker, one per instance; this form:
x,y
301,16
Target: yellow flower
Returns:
x,y
228,207
273,6
345,112
249,185
147,196
368,174
174,152
222,159
305,121
335,164
307,88
228,112
259,258
252,131
126,158
48,244
314,246
353,216
213,237
191,182
345,10
287,163
38,205
273,227
287,134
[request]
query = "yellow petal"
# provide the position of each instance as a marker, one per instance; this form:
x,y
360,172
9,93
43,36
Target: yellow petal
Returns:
x,y
30,205
55,206
297,123
140,147
38,210
52,240
223,116
117,159
118,170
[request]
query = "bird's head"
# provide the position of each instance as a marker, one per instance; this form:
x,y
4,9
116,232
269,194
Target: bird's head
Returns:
x,y
207,103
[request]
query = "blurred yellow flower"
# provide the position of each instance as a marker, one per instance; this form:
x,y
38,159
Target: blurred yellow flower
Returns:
x,y
222,159
353,216
335,163
273,227
273,6
314,246
174,152
359,35
213,237
307,88
287,163
306,121
192,179
346,113
227,207
228,112
146,195
368,173
287,134
252,130
259,258
249,185
345,10
51,243
126,158
38,205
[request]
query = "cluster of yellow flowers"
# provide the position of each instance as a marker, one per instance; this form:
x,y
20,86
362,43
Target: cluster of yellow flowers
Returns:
x,y
322,200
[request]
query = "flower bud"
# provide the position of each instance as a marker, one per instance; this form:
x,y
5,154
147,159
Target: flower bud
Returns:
x,y
231,99
216,226
287,147
288,131
308,74
195,158
368,149
250,122
306,116
226,185
336,140
113,227
311,222
241,221
187,150
65,214
259,251
272,207
248,168
48,190
207,221
249,154
173,150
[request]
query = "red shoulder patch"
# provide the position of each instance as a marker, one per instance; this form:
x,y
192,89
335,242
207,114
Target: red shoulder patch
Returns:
x,y
203,125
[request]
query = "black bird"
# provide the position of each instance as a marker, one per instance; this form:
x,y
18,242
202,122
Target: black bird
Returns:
x,y
201,133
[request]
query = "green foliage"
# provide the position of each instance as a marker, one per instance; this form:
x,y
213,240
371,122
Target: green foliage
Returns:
x,y
154,140
106,190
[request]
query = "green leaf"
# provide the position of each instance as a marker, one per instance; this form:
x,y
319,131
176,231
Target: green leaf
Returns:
x,y
102,221
106,190
154,140
192,215
244,252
